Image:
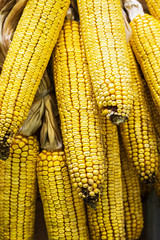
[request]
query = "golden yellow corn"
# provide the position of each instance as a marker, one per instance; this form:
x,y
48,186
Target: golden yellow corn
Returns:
x,y
107,221
131,198
64,211
18,190
27,58
78,113
106,49
154,113
138,132
145,43
154,8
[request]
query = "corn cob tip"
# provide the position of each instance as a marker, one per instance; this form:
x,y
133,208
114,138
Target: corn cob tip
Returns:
x,y
149,179
117,119
5,147
91,201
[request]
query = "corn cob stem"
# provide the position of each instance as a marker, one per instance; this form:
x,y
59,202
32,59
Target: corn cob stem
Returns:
x,y
79,115
18,190
27,58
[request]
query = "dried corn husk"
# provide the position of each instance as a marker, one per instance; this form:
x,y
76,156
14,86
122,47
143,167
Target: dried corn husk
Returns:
x,y
42,115
133,8
128,30
9,17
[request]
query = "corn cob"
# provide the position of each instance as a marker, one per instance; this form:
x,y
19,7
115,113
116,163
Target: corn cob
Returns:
x,y
154,8
63,210
107,221
106,49
18,190
145,43
138,133
27,58
131,198
78,113
154,113
156,120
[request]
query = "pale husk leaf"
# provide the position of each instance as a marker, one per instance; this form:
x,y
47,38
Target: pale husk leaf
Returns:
x,y
128,29
133,8
50,137
42,115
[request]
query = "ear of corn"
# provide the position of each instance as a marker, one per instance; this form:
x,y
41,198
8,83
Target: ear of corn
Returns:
x,y
18,190
27,58
154,8
107,221
138,133
156,120
131,198
63,210
106,49
145,43
154,113
78,113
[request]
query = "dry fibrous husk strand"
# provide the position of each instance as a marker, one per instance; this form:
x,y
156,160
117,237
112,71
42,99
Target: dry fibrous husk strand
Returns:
x,y
10,15
43,114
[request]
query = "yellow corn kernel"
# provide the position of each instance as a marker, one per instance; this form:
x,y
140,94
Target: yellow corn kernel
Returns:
x,y
80,123
26,61
18,190
131,198
138,132
106,49
64,212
